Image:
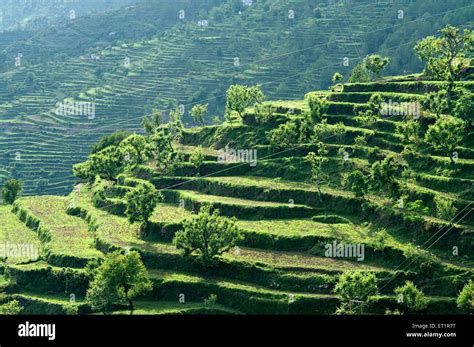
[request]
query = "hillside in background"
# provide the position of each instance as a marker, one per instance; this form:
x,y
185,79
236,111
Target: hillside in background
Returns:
x,y
131,60
27,15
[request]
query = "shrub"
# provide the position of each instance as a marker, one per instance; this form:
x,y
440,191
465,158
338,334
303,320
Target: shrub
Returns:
x,y
357,183
11,308
465,299
318,106
446,135
355,286
11,190
411,298
196,159
445,208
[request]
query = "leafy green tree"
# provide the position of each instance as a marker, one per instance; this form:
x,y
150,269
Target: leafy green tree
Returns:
x,y
197,159
153,121
141,202
359,74
337,78
317,161
444,56
357,183
318,107
445,208
107,163
355,288
464,107
384,176
11,308
375,63
162,148
240,97
11,190
437,102
465,298
285,136
411,298
409,130
207,235
264,113
118,279
198,112
446,135
134,150
110,140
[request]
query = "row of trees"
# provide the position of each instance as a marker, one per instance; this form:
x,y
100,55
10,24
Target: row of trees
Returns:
x,y
356,288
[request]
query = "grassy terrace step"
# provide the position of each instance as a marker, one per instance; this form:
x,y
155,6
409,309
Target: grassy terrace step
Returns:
x,y
242,296
146,307
419,87
333,201
49,304
13,232
69,241
238,207
304,271
41,277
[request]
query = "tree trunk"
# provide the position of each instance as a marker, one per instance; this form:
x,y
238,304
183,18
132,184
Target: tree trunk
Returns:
x,y
130,305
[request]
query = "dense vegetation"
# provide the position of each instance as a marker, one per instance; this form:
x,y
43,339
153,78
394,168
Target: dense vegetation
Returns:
x,y
354,199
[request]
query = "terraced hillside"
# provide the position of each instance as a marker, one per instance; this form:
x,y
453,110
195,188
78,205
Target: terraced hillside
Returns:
x,y
179,61
281,265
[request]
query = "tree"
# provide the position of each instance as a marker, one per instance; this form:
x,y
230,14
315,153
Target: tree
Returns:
x,y
198,112
11,308
11,190
162,148
409,131
240,97
285,136
317,160
437,102
141,202
411,298
384,174
134,150
110,140
357,183
118,279
197,159
465,298
445,208
107,163
152,122
375,64
264,113
318,107
464,107
207,235
444,56
446,135
355,287
359,74
337,77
